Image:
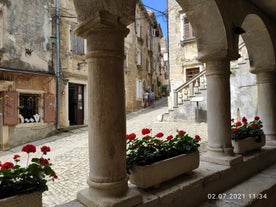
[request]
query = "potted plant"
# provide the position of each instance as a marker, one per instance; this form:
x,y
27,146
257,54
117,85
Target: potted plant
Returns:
x,y
22,186
247,136
152,160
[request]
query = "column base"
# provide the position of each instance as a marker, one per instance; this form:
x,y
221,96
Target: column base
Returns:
x,y
221,158
270,139
4,147
88,198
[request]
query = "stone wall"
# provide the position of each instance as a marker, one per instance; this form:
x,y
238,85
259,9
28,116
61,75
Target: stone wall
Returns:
x,y
26,35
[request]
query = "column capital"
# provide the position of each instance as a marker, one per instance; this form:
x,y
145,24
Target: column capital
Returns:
x,y
218,67
223,55
265,77
124,9
100,21
263,69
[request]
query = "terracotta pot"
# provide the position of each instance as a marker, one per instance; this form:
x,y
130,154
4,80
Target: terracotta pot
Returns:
x,y
24,200
158,172
246,145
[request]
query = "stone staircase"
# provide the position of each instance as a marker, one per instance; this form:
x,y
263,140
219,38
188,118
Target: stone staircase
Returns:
x,y
189,100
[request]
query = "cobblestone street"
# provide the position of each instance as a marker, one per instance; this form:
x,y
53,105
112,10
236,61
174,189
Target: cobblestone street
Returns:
x,y
69,152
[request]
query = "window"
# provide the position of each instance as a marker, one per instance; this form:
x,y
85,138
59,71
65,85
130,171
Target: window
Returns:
x,y
138,57
77,44
139,89
29,108
186,29
148,66
191,72
149,41
138,29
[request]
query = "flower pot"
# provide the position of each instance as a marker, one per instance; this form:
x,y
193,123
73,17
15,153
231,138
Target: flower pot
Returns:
x,y
246,145
24,200
159,172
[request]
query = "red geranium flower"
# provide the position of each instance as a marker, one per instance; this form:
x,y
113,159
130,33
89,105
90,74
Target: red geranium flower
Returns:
x,y
29,148
7,166
145,131
45,149
255,126
54,176
244,120
180,132
170,137
197,138
159,134
256,118
234,130
131,136
148,137
238,124
16,157
43,161
232,120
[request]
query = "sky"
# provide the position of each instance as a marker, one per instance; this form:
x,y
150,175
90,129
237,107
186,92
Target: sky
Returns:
x,y
158,6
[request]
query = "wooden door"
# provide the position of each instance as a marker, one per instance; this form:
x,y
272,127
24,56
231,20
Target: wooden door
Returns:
x,y
76,104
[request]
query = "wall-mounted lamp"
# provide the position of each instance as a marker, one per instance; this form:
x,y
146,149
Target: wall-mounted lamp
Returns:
x,y
238,30
65,81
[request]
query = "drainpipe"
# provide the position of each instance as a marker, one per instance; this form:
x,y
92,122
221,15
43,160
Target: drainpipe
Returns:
x,y
57,68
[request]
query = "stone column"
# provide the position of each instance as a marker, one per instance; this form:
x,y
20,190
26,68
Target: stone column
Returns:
x,y
219,147
267,103
108,181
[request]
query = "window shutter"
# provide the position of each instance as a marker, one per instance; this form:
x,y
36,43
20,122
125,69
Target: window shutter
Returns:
x,y
49,107
138,29
139,58
139,89
10,104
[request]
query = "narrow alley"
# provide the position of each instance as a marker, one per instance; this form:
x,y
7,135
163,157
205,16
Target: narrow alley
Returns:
x,y
69,151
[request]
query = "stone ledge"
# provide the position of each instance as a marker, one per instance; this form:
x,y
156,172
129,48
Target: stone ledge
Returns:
x,y
192,190
259,190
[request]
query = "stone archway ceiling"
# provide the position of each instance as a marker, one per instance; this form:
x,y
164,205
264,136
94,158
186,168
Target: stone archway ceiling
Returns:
x,y
209,28
267,6
259,44
123,9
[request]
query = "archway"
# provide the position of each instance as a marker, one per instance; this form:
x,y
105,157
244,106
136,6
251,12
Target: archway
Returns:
x,y
258,43
262,60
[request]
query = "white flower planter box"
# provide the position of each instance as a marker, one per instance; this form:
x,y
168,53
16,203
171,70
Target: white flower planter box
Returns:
x,y
25,200
159,172
246,145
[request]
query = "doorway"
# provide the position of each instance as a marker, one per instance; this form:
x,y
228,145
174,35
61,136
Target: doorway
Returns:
x,y
76,104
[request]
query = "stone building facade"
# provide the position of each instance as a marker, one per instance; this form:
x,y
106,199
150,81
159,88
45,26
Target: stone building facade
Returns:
x,y
44,72
27,76
143,57
73,68
183,51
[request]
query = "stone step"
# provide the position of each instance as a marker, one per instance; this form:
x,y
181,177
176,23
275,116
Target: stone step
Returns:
x,y
257,191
